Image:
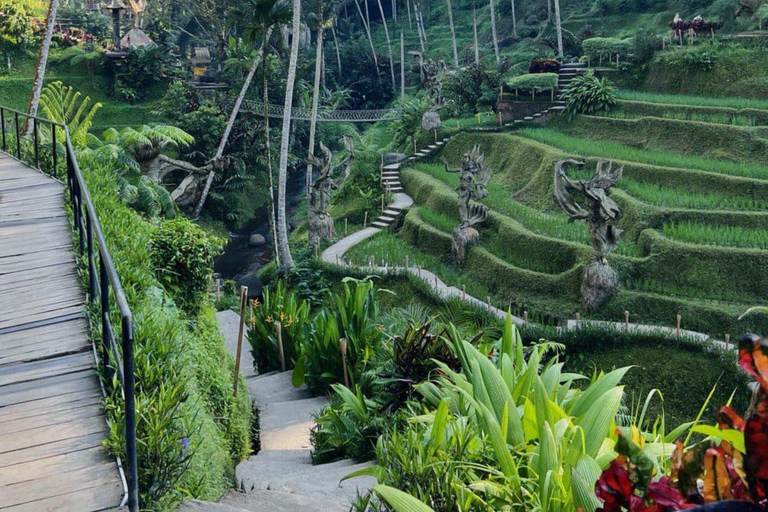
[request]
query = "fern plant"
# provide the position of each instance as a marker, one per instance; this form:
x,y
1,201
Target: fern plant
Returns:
x,y
62,104
590,95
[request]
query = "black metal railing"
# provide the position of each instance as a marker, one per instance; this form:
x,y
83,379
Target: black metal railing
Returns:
x,y
41,143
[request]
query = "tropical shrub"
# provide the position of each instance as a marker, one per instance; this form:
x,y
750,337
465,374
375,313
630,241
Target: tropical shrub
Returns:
x,y
475,88
607,47
284,306
534,82
351,315
144,67
348,427
549,437
540,65
588,94
407,126
182,255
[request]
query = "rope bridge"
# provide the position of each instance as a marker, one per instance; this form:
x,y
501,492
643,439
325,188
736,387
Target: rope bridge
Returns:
x,y
327,116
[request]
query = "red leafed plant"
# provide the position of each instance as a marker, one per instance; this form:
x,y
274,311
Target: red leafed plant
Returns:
x,y
708,473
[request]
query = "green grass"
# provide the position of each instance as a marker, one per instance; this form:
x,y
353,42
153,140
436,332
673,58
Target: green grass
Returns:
x,y
721,236
542,223
694,101
674,197
717,296
734,120
490,241
613,150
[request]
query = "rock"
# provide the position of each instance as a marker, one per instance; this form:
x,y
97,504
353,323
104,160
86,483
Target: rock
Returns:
x,y
256,240
255,287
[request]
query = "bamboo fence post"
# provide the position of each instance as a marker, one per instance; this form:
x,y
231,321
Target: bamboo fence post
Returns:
x,y
578,319
346,225
463,292
243,301
382,203
370,261
679,320
626,321
435,282
488,303
501,123
525,318
727,342
279,331
317,249
406,262
343,348
418,266
365,220
218,289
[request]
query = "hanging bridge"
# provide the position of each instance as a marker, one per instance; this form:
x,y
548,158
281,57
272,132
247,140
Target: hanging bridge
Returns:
x,y
323,115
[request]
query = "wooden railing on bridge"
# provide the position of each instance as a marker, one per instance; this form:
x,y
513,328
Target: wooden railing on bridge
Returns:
x,y
323,115
43,149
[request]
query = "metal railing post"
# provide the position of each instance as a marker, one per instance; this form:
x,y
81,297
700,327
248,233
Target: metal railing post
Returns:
x,y
91,262
2,121
130,416
37,142
18,138
106,330
55,172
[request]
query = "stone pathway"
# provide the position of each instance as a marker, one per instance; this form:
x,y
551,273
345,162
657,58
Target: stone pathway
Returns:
x,y
281,477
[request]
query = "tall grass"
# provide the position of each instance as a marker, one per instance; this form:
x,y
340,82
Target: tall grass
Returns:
x,y
735,120
695,101
551,225
717,295
722,236
613,150
674,197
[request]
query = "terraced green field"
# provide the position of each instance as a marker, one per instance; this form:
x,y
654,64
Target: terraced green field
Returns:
x,y
696,226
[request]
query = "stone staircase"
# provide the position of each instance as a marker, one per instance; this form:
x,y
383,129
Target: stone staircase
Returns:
x,y
281,477
390,181
566,75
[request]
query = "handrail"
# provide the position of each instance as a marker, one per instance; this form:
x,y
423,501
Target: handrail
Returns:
x,y
88,229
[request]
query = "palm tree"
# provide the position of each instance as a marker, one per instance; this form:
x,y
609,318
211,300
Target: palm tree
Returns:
x,y
389,45
559,24
453,34
321,21
493,31
474,28
367,28
42,62
258,18
514,18
282,177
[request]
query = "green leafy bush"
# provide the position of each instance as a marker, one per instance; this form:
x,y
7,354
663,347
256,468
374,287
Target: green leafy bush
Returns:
x,y
352,315
284,306
534,82
588,94
183,254
607,47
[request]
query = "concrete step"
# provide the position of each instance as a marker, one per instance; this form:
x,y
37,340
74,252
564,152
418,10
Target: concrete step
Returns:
x,y
573,65
275,501
397,190
386,218
528,118
207,506
391,167
537,115
229,325
392,212
286,425
379,225
390,173
275,387
558,108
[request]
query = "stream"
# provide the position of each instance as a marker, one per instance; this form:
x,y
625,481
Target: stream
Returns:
x,y
239,258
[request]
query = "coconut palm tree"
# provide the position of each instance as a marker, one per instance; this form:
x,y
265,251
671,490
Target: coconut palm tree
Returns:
x,y
493,31
514,19
367,28
474,28
257,19
389,45
282,176
559,24
42,61
453,33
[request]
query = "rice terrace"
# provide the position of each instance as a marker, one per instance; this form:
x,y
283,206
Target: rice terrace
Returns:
x,y
383,255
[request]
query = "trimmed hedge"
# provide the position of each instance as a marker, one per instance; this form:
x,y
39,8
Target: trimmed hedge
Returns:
x,y
534,82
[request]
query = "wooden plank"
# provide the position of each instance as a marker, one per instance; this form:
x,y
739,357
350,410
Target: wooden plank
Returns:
x,y
55,485
49,434
44,451
19,373
25,425
45,284
37,469
45,406
39,351
55,386
33,276
104,497
49,334
63,310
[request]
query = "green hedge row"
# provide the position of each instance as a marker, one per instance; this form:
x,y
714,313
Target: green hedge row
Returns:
x,y
534,82
688,137
607,47
648,109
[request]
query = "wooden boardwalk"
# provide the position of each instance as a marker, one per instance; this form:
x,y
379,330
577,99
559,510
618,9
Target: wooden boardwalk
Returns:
x,y
51,420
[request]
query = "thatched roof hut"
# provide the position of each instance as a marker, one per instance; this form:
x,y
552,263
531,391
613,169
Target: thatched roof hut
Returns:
x,y
135,38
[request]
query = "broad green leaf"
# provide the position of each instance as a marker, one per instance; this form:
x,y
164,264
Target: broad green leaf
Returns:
x,y
400,501
579,406
597,420
735,437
